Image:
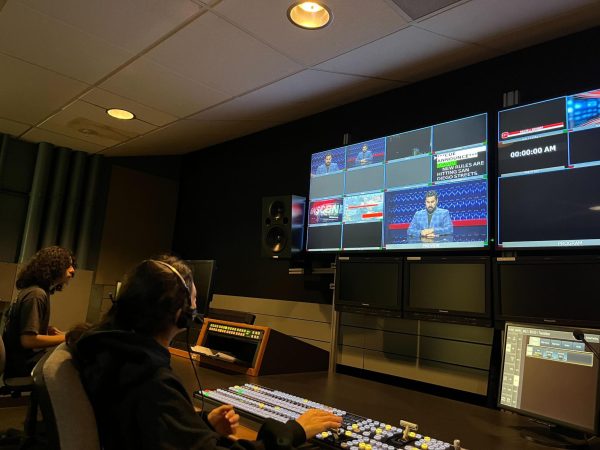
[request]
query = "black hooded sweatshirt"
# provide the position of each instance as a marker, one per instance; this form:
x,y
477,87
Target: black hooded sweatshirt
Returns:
x,y
140,404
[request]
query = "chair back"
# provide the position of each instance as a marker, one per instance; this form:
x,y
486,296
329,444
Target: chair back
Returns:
x,y
68,415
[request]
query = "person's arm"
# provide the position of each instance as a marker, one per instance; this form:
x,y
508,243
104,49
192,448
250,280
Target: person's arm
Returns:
x,y
30,340
414,229
166,415
445,226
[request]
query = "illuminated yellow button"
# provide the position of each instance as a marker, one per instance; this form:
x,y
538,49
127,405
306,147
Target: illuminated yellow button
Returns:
x,y
261,405
255,388
305,401
368,447
324,434
378,431
388,427
348,433
355,425
277,407
412,434
424,446
427,438
362,445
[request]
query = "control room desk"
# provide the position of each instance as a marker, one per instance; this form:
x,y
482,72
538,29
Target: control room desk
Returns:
x,y
478,428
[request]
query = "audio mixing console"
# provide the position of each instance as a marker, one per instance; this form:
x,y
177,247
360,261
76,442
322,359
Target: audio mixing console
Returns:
x,y
356,432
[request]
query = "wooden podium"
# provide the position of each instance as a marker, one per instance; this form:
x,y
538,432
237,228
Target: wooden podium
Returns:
x,y
255,350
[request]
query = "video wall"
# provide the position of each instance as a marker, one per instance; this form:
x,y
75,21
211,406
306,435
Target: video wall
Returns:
x,y
425,188
548,172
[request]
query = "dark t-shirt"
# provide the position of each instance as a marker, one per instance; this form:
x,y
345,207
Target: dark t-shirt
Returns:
x,y
29,314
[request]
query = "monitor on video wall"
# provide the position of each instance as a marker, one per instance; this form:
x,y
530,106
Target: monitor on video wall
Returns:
x,y
421,189
548,289
548,167
448,289
369,285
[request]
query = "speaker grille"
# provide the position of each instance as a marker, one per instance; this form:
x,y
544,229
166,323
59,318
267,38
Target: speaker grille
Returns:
x,y
276,239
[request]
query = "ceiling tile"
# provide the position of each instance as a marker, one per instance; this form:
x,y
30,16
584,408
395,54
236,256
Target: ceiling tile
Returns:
x,y
570,22
161,88
99,128
214,52
55,45
107,100
297,96
355,23
130,24
408,55
59,140
29,93
185,136
423,7
13,128
489,18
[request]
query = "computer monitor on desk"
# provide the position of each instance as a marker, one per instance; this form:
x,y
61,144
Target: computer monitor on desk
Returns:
x,y
254,350
549,374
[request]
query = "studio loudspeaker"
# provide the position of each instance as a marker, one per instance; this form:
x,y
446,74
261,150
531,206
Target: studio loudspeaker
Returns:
x,y
282,225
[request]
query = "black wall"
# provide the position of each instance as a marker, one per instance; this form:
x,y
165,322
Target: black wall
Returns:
x,y
221,187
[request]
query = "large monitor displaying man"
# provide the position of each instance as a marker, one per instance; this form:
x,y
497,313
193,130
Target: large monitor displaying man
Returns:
x,y
548,164
425,188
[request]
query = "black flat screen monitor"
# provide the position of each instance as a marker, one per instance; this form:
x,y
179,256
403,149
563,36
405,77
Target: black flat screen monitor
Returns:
x,y
203,274
452,289
203,271
549,375
548,170
368,284
421,189
550,290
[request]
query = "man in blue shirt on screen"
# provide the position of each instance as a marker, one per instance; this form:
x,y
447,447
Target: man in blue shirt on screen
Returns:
x,y
432,221
364,157
328,166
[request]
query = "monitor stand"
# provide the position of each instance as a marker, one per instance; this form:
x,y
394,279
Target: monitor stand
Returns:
x,y
550,436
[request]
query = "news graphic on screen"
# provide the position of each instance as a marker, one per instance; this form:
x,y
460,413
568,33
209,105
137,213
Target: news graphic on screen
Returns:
x,y
549,374
548,157
425,188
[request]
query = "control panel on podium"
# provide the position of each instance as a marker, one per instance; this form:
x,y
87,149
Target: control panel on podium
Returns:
x,y
255,350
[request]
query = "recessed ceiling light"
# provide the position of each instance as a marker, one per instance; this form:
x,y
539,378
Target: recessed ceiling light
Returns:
x,y
120,114
310,15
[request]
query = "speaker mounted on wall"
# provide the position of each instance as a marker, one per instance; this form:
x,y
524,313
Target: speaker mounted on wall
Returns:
x,y
282,225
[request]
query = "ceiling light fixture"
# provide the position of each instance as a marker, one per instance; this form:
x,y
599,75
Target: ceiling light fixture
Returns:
x,y
121,114
310,15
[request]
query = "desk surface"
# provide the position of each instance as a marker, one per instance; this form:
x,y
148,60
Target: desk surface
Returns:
x,y
478,428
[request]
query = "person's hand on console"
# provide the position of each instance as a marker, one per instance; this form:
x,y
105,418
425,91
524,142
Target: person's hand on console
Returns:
x,y
224,420
316,420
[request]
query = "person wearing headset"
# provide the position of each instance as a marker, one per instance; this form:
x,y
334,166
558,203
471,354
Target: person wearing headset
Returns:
x,y
28,334
138,401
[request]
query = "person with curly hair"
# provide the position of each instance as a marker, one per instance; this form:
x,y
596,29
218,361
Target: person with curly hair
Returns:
x,y
28,332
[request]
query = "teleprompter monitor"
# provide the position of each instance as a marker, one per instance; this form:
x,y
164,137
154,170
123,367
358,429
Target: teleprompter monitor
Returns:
x,y
550,375
548,165
420,189
448,289
555,290
368,284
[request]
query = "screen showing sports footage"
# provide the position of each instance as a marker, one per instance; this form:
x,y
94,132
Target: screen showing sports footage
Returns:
x,y
549,167
424,188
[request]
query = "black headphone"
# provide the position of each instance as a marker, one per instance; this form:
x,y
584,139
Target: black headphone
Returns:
x,y
187,313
